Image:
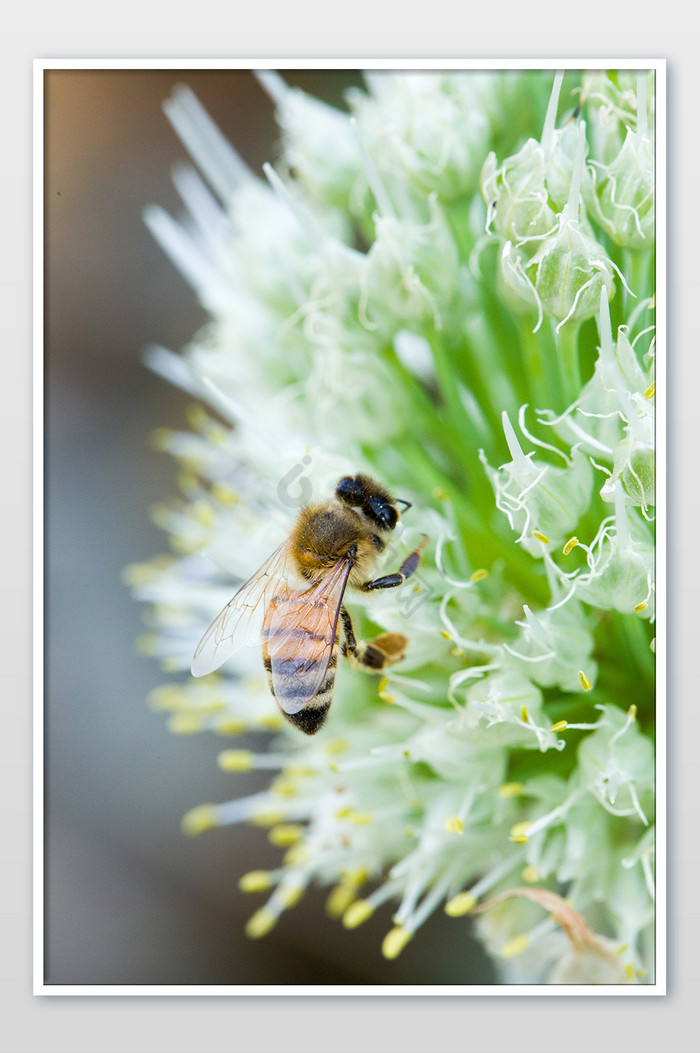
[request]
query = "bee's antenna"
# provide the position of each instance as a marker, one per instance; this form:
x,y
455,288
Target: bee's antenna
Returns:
x,y
400,501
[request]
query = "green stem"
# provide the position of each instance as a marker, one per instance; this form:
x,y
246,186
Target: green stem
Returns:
x,y
566,341
544,380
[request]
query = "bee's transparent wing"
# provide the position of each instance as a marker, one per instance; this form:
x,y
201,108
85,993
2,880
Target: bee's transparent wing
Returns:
x,y
241,620
299,636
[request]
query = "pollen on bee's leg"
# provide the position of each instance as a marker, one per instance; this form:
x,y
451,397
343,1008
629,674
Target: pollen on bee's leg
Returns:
x,y
375,655
392,646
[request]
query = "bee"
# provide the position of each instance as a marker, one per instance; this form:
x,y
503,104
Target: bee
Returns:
x,y
293,605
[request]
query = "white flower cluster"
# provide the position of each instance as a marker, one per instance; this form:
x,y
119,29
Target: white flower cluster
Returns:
x,y
396,300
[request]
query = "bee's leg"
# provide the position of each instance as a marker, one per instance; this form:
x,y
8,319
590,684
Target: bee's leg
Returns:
x,y
375,655
390,581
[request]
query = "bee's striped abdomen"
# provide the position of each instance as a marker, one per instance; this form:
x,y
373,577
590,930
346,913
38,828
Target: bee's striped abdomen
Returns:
x,y
300,658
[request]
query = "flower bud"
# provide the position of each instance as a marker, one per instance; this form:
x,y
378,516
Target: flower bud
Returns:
x,y
516,195
568,272
616,101
620,195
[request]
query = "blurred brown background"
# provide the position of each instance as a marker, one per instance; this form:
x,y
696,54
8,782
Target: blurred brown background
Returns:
x,y
129,899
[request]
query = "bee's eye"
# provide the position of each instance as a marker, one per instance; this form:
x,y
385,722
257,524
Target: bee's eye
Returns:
x,y
385,514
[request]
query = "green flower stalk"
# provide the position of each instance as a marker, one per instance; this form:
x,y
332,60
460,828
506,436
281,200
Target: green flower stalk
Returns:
x,y
450,288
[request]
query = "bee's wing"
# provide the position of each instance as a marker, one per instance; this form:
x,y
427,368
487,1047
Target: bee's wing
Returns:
x,y
299,637
241,620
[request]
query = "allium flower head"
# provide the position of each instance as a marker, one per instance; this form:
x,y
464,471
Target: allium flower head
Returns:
x,y
450,288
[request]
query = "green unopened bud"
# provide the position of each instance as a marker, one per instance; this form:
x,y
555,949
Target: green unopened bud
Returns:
x,y
516,196
620,195
616,101
569,271
635,468
565,276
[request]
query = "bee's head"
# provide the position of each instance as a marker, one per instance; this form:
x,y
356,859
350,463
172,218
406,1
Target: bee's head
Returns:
x,y
359,491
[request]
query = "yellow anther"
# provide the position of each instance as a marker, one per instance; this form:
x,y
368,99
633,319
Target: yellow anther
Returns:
x,y
524,715
197,820
255,881
289,895
270,721
360,818
629,970
299,771
387,697
260,924
383,684
632,712
454,825
650,391
559,726
170,664
224,494
195,416
510,789
357,912
460,904
445,635
165,698
285,834
147,644
295,855
479,575
188,481
518,833
336,746
571,543
395,941
185,723
641,607
540,536
231,726
266,818
236,760
515,946
160,439
204,513
340,899
357,876
139,573
284,786
530,874
585,682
